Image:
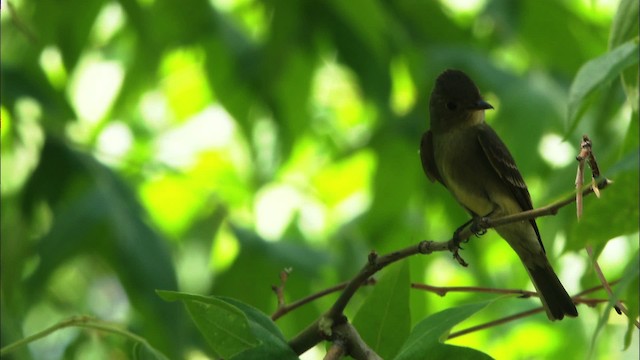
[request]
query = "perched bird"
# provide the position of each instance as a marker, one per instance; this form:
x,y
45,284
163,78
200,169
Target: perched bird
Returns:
x,y
463,153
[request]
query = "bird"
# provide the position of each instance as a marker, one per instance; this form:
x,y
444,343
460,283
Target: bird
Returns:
x,y
463,153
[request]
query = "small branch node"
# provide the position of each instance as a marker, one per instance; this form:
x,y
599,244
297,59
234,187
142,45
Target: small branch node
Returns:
x,y
424,247
373,257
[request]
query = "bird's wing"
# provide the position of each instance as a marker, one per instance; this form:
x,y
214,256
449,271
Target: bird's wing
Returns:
x,y
428,161
504,165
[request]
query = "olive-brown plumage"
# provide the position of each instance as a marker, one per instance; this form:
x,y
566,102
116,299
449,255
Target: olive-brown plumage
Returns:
x,y
463,153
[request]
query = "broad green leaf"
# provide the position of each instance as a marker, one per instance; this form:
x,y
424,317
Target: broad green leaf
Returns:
x,y
234,329
625,23
597,73
224,326
425,341
273,344
384,319
625,28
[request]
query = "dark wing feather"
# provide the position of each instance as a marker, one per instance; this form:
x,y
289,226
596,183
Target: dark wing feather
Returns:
x,y
426,156
504,165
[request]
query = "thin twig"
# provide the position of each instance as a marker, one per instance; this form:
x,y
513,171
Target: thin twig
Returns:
x,y
496,322
576,299
552,209
442,291
279,290
281,311
20,25
618,304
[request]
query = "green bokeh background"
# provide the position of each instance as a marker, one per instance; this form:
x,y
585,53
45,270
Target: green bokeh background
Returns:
x,y
204,146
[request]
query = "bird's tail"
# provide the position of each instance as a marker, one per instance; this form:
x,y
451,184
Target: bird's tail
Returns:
x,y
555,299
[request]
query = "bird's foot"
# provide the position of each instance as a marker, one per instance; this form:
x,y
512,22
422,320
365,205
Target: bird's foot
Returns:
x,y
478,227
454,245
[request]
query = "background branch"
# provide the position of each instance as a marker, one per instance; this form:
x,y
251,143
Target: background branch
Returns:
x,y
618,304
83,322
576,298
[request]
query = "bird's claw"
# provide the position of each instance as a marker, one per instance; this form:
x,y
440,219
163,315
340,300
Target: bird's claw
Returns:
x,y
459,259
477,227
454,247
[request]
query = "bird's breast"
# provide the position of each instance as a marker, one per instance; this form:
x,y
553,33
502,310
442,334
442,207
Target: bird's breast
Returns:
x,y
466,171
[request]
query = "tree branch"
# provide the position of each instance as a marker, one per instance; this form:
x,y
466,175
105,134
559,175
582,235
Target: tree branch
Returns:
x,y
348,338
286,308
552,209
442,291
322,328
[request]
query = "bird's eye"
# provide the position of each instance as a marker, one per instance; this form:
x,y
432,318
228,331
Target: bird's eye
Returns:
x,y
452,106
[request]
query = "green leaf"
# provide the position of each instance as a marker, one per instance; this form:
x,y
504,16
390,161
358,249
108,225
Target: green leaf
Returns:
x,y
256,316
273,344
224,326
384,319
595,74
234,329
367,20
424,342
625,28
625,23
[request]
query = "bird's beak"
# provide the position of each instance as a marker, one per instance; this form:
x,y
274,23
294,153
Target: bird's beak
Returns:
x,y
482,105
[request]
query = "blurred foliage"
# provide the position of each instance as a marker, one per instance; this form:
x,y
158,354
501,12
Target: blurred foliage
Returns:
x,y
203,146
